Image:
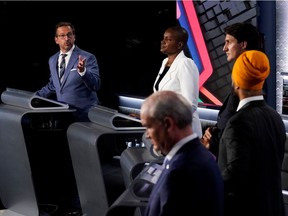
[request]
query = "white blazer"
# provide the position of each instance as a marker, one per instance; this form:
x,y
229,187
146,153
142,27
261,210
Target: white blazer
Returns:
x,y
183,78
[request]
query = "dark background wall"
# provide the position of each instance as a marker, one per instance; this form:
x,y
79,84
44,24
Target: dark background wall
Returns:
x,y
124,35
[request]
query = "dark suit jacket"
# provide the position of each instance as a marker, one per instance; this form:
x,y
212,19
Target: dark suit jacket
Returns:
x,y
191,186
77,91
227,110
250,158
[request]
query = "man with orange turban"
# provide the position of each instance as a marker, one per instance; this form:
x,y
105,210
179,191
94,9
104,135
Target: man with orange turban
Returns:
x,y
251,148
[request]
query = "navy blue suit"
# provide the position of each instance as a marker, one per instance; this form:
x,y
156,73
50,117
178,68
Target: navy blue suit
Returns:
x,y
80,92
192,185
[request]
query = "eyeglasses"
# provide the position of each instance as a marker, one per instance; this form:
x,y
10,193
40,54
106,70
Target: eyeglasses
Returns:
x,y
68,35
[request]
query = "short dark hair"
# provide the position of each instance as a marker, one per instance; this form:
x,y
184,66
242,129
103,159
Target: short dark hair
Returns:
x,y
245,32
60,24
181,33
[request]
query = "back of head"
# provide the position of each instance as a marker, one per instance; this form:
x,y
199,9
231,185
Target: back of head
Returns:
x,y
250,70
168,103
245,32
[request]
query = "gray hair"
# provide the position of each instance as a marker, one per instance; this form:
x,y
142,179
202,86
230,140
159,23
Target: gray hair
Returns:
x,y
168,103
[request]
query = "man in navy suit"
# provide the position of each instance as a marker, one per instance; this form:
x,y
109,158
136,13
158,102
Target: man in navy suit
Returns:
x,y
191,182
81,79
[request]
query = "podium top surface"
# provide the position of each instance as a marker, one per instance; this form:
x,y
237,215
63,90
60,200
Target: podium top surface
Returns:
x,y
30,100
113,119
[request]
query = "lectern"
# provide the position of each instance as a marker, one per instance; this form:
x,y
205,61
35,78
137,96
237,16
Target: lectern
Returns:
x,y
95,149
35,163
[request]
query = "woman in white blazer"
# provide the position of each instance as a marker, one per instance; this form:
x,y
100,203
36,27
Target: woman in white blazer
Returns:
x,y
178,72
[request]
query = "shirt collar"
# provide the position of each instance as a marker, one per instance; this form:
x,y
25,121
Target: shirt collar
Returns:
x,y
69,52
178,145
249,99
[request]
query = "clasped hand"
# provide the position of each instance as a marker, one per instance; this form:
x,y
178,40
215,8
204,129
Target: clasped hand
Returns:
x,y
205,140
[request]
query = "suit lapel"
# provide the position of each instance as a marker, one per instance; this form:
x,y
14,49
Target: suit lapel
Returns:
x,y
172,70
54,71
71,64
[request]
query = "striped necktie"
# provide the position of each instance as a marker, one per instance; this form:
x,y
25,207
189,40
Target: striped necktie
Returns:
x,y
62,67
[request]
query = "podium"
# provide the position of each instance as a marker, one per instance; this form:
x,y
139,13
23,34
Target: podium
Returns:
x,y
35,163
133,201
95,149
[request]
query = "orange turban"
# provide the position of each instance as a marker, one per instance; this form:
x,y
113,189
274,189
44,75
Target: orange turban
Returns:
x,y
250,70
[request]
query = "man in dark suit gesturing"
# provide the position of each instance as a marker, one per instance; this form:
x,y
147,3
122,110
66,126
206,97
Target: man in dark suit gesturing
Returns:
x,y
190,183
